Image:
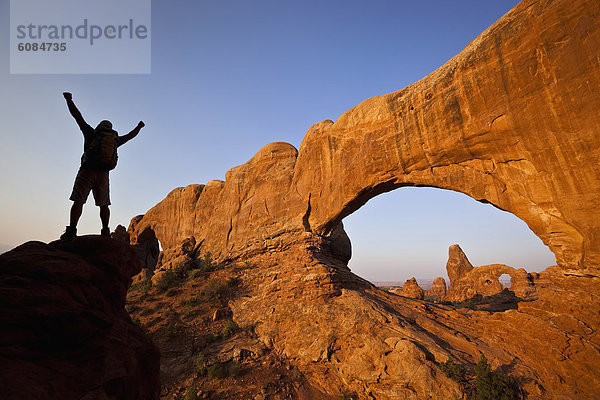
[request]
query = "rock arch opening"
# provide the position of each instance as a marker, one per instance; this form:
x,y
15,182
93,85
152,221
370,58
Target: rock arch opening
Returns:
x,y
407,233
505,280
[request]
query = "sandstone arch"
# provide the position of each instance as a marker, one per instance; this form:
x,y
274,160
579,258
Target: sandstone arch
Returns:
x,y
512,120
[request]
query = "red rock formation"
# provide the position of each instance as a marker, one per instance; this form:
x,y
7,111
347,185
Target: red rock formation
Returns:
x,y
512,120
458,264
412,289
438,289
466,282
491,123
65,332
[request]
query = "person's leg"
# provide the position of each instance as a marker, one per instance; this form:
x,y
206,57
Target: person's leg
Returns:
x,y
81,189
71,230
76,210
104,216
102,197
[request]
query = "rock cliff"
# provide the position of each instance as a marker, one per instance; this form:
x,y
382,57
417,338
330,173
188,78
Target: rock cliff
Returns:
x,y
64,332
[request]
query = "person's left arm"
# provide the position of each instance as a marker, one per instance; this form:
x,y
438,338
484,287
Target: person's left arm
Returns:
x,y
126,138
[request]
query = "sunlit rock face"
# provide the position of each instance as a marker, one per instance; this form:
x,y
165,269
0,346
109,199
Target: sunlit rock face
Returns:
x,y
467,281
458,264
513,121
438,289
412,289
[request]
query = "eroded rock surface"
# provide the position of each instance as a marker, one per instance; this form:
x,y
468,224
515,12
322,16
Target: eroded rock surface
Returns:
x,y
64,332
343,332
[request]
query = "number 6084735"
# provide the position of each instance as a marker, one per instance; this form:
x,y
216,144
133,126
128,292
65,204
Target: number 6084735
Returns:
x,y
44,46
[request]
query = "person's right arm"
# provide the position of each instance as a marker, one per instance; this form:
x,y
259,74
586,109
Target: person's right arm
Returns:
x,y
84,126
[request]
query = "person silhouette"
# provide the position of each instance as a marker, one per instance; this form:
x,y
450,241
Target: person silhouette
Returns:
x,y
99,157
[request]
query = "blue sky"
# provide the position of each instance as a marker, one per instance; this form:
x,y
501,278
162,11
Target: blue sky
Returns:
x,y
231,76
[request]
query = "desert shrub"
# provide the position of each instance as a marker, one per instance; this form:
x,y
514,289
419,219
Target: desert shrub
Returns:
x,y
206,263
195,273
236,370
172,292
191,393
219,371
168,280
170,330
247,265
469,304
489,385
454,371
223,370
211,338
215,289
182,270
193,301
229,329
142,286
233,281
200,364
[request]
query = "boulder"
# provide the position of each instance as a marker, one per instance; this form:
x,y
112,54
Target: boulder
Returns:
x,y
438,288
121,234
147,248
412,289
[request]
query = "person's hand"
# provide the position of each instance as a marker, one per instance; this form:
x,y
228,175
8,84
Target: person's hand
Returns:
x,y
68,95
141,124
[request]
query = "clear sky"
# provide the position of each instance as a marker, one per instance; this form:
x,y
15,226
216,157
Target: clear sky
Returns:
x,y
231,76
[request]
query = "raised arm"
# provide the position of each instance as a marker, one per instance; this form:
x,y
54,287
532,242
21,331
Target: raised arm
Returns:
x,y
75,112
126,138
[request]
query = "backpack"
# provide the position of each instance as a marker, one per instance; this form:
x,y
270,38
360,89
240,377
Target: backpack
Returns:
x,y
102,153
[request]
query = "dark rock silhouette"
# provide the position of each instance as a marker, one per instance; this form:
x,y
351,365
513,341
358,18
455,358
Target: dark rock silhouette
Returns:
x,y
64,330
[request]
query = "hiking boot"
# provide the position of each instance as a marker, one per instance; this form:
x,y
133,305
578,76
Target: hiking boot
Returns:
x,y
105,232
69,234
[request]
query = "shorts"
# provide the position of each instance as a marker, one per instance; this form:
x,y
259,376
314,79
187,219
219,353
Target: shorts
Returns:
x,y
96,181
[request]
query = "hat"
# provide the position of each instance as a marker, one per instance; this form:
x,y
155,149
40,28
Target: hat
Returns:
x,y
105,125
